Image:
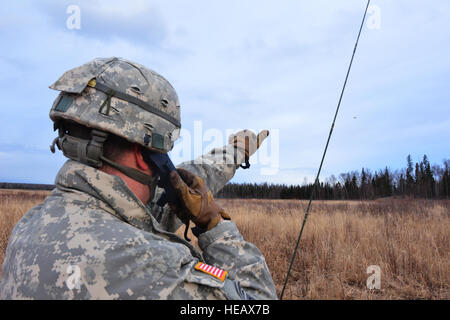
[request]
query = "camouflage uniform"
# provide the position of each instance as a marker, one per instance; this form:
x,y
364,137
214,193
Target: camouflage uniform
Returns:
x,y
92,222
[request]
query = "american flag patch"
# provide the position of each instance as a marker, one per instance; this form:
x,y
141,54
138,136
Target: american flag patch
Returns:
x,y
213,271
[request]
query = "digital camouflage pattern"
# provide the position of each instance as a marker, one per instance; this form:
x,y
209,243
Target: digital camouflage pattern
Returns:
x,y
80,102
125,250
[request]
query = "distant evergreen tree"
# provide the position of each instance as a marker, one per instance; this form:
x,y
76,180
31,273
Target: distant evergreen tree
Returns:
x,y
409,178
428,179
386,183
426,182
363,188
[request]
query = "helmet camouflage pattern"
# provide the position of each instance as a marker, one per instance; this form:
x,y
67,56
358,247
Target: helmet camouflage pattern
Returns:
x,y
120,97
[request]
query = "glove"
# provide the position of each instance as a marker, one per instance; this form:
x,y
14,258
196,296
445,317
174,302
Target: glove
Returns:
x,y
196,200
248,141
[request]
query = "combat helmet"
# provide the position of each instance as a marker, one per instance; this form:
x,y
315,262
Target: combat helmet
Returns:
x,y
115,96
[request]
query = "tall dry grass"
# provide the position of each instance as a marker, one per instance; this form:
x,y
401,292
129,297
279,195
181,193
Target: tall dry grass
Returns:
x,y
13,205
408,239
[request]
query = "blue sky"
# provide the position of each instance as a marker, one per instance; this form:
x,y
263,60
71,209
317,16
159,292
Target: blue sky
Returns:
x,y
253,64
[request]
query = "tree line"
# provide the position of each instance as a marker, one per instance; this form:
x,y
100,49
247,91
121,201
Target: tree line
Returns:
x,y
26,186
417,180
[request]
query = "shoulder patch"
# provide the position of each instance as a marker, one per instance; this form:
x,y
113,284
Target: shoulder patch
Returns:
x,y
213,271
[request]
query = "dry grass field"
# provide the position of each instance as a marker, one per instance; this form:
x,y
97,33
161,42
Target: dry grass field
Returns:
x,y
13,205
407,239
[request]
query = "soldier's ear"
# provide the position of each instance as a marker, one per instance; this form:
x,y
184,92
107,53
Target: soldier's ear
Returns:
x,y
140,162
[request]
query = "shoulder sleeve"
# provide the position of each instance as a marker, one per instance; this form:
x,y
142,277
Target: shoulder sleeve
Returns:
x,y
142,265
224,247
216,167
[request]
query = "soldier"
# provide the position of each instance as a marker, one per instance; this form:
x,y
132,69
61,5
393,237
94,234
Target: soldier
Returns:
x,y
101,234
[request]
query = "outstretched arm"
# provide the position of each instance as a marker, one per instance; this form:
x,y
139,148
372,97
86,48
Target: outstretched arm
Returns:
x,y
216,168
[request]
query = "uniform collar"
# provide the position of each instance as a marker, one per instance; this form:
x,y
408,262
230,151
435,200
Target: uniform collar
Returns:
x,y
107,188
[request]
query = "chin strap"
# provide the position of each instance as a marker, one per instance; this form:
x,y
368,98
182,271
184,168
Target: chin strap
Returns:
x,y
90,152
